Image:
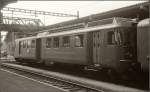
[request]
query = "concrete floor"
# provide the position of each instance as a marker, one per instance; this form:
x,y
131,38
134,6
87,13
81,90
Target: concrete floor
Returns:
x,y
12,83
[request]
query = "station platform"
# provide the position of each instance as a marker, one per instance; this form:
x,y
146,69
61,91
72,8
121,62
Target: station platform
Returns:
x,y
108,87
7,58
13,83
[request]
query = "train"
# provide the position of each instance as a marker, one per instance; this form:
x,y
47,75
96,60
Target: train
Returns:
x,y
114,44
143,47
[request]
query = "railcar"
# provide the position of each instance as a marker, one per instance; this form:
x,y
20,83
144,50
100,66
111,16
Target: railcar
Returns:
x,y
108,43
143,44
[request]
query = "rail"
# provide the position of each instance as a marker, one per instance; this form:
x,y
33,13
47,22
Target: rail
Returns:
x,y
64,85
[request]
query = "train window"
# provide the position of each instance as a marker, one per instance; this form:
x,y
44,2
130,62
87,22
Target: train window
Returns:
x,y
79,40
56,42
21,43
114,37
32,43
48,42
111,37
28,43
66,41
118,37
129,37
24,44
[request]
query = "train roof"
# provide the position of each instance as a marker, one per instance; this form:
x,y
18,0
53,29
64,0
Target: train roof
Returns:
x,y
115,22
26,38
92,26
118,20
144,22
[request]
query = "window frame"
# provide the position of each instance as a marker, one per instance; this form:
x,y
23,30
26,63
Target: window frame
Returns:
x,y
48,46
112,36
33,45
68,42
57,44
21,44
118,36
28,43
81,41
24,44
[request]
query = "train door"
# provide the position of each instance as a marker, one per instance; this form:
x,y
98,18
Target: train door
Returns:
x,y
19,47
90,47
38,48
97,47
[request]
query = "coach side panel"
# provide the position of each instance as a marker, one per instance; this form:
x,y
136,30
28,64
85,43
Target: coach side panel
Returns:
x,y
65,54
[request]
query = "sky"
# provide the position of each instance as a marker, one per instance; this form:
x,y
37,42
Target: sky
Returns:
x,y
85,8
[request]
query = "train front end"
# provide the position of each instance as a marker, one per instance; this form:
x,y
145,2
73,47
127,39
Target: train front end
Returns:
x,y
125,38
127,50
114,45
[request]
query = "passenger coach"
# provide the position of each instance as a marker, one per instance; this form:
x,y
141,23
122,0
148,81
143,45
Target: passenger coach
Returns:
x,y
27,49
108,43
143,44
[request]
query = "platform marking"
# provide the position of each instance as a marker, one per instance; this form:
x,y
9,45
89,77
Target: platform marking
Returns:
x,y
34,80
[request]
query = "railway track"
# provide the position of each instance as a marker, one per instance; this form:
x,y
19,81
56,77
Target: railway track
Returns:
x,y
56,82
60,83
